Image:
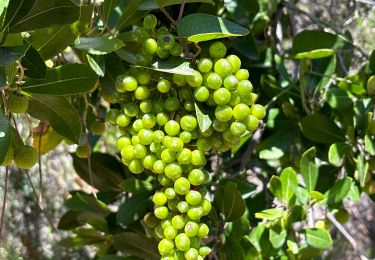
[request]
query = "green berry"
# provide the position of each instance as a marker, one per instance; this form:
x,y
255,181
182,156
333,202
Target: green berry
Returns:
x,y
235,61
193,197
173,171
183,206
172,128
195,80
222,96
165,246
161,212
149,46
196,177
188,123
163,86
191,254
258,111
204,65
159,198
223,68
217,50
150,21
182,186
242,74
178,222
203,230
170,232
214,81
182,242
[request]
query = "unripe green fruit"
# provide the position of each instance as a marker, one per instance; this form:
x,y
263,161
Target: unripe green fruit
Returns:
x,y
182,186
203,230
178,222
191,229
161,212
159,198
342,216
165,246
217,50
150,21
170,232
97,128
25,157
191,254
83,151
150,220
204,250
17,103
182,242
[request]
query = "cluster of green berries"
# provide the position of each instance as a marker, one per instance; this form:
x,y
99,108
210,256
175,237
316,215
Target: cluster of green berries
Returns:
x,y
160,134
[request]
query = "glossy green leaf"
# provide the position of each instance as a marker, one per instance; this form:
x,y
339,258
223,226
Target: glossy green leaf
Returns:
x,y
34,64
369,145
136,245
15,11
318,238
3,6
338,191
233,249
68,79
50,41
309,169
275,146
190,27
80,201
98,45
277,237
315,44
57,112
10,54
289,183
230,202
56,12
155,4
5,135
362,170
275,187
270,214
204,121
321,129
108,7
174,65
337,152
246,189
136,186
338,98
106,171
133,208
126,55
371,86
97,64
129,9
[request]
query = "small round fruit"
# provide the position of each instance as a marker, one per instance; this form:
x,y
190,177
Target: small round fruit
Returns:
x,y
237,128
176,49
217,50
161,212
196,177
251,123
178,222
206,205
195,212
97,128
17,103
201,94
203,230
170,232
136,166
198,158
142,93
204,65
258,111
158,167
143,77
241,111
163,86
231,82
188,123
193,197
191,229
129,83
171,104
195,80
149,46
159,198
179,80
182,242
150,220
191,254
183,206
184,156
165,246
111,116
223,113
172,128
214,81
244,88
83,151
223,68
182,186
25,157
173,171
150,21
170,193
242,74
166,41
235,61
204,250
222,96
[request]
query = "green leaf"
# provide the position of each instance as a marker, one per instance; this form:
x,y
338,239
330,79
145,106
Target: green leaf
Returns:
x,y
318,238
15,11
289,183
338,98
129,9
362,170
136,245
277,145
321,129
57,112
126,55
246,189
50,41
97,64
337,152
233,249
204,121
190,27
68,79
133,209
34,64
106,171
316,44
338,191
230,202
174,65
155,4
10,54
108,7
246,46
3,6
309,169
369,145
270,214
275,187
371,85
3,78
47,13
98,45
5,135
277,237
80,201
136,186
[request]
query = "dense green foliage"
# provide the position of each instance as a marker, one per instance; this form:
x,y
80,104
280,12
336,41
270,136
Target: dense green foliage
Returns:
x,y
186,112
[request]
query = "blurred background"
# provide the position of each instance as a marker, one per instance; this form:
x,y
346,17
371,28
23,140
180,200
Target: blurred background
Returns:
x,y
27,232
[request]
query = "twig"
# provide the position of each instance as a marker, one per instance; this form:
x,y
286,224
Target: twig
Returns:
x,y
4,200
39,203
181,11
40,162
165,12
342,230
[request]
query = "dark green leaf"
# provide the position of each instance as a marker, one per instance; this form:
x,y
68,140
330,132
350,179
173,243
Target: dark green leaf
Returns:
x,y
319,128
133,209
50,41
10,54
98,45
230,202
246,189
46,13
275,146
57,112
108,7
270,214
3,78
233,249
126,55
174,65
153,4
214,27
288,179
337,152
129,9
318,238
68,79
80,201
250,251
106,171
204,120
97,64
136,186
338,98
136,245
275,187
316,44
69,220
5,135
309,169
16,10
246,46
34,64
338,191
369,145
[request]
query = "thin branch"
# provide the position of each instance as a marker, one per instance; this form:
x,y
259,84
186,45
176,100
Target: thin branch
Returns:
x,y
40,162
4,200
39,203
165,12
181,11
342,230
